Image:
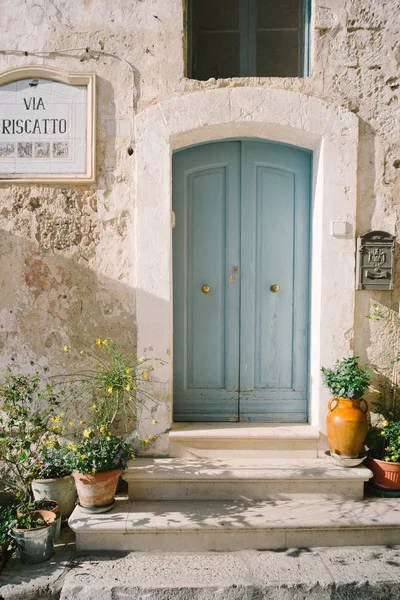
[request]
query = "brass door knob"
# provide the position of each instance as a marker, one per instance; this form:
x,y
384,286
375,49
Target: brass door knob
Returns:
x,y
275,288
205,289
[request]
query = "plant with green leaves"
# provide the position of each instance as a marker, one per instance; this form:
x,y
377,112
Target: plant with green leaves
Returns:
x,y
100,450
54,460
347,379
391,446
27,407
8,515
116,387
27,517
384,433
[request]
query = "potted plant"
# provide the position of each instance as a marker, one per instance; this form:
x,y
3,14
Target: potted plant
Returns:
x,y
27,406
53,476
346,422
33,532
98,461
384,434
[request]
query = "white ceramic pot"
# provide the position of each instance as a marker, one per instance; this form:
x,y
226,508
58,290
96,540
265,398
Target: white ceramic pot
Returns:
x,y
62,490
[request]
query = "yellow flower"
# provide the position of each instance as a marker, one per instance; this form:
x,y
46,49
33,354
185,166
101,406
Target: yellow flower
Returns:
x,y
81,422
110,389
98,341
51,445
151,437
372,318
61,414
94,406
93,470
87,432
104,342
382,433
72,446
154,421
102,429
83,456
132,456
145,374
127,371
128,387
66,348
376,308
145,441
387,459
141,359
385,423
38,428
70,423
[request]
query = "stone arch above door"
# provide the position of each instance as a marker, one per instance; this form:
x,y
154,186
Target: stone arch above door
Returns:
x,y
331,132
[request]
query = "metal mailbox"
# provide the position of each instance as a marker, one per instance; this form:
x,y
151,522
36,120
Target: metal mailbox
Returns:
x,y
375,261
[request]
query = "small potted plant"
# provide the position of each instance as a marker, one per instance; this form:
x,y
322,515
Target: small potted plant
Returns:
x,y
53,476
98,461
384,434
27,406
346,422
33,532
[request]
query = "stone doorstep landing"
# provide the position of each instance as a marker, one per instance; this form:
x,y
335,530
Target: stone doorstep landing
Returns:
x,y
176,526
243,440
243,479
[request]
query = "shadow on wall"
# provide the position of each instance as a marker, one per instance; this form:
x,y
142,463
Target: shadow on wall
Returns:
x,y
48,301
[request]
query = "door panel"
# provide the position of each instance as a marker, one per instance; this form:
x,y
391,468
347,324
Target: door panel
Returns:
x,y
242,225
274,326
206,189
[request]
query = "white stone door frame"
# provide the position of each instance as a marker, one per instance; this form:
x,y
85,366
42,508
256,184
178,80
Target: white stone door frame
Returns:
x,y
331,132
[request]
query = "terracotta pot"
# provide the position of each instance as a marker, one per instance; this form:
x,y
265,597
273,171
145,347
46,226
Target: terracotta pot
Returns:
x,y
347,426
97,491
386,474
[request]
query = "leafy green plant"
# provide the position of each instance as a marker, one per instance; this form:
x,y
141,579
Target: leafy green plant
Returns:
x,y
384,433
54,460
116,387
8,515
391,435
28,518
100,450
347,379
26,409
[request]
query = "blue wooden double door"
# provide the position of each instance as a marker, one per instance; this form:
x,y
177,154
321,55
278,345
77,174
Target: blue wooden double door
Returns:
x,y
241,255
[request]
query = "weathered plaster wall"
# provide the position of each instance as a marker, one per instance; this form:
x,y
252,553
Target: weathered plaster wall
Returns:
x,y
68,252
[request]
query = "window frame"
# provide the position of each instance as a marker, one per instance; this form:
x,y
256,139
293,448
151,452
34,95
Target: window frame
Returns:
x,y
248,35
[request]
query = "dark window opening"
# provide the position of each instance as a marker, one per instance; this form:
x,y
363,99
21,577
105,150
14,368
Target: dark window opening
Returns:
x,y
248,38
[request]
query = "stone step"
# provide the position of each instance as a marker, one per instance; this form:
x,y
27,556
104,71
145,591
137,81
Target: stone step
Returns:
x,y
243,440
255,479
176,526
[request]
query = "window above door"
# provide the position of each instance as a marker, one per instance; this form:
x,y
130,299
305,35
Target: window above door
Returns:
x,y
248,38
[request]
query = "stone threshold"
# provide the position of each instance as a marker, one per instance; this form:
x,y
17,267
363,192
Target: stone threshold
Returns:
x,y
241,430
243,440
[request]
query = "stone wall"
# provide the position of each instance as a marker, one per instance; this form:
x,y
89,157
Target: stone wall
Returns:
x,y
68,269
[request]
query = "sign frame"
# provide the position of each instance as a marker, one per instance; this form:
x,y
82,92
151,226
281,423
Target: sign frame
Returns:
x,y
79,79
